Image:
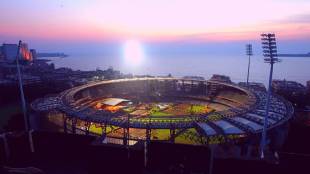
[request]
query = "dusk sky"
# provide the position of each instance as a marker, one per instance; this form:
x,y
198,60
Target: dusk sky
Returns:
x,y
43,23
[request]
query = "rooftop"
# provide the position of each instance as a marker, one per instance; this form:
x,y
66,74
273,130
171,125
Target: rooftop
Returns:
x,y
114,101
287,85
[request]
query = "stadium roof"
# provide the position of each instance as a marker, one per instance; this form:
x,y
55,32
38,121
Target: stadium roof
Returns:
x,y
227,127
208,130
252,124
113,101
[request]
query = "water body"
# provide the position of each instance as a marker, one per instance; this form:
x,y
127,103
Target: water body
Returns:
x,y
296,69
182,60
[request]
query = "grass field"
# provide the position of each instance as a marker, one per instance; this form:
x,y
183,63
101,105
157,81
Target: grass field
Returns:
x,y
160,134
129,109
155,111
94,129
160,114
190,136
197,109
98,130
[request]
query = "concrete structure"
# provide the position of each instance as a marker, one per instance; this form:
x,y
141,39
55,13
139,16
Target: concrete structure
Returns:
x,y
113,101
1,54
10,51
288,87
25,53
242,114
220,78
193,78
27,79
33,53
254,85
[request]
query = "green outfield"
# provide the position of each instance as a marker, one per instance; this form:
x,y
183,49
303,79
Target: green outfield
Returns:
x,y
98,130
155,111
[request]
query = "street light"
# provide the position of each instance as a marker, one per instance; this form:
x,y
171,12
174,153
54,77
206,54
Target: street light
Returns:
x,y
270,56
249,52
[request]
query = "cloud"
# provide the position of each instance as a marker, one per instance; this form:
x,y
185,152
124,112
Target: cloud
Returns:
x,y
300,18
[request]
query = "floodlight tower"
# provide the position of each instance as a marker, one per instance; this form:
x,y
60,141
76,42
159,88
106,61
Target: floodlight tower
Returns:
x,y
249,52
270,56
22,96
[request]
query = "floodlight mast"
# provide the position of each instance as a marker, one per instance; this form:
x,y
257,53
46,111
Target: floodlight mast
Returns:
x,y
249,52
270,56
22,96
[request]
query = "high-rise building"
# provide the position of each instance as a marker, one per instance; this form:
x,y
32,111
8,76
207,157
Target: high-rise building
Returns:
x,y
25,53
33,53
1,53
9,51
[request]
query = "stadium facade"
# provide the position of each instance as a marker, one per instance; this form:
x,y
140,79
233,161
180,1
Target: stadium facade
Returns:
x,y
187,111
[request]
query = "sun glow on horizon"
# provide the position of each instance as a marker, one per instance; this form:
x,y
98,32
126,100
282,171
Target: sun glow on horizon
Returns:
x,y
133,53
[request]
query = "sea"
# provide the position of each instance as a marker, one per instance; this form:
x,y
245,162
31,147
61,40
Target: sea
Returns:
x,y
295,69
205,65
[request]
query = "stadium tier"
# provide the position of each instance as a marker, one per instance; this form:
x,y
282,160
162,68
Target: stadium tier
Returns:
x,y
186,111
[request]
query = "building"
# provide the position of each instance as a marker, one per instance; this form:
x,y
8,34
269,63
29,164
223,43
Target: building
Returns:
x,y
193,78
27,79
288,86
25,53
10,51
221,78
254,85
33,53
131,106
1,54
112,104
292,91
